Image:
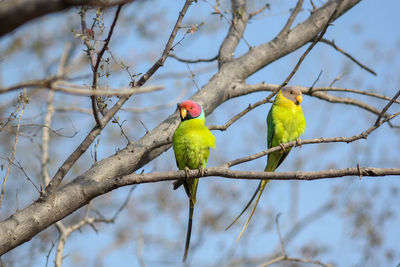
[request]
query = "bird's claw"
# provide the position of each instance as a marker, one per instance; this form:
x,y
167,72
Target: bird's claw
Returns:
x,y
298,142
282,147
186,169
201,171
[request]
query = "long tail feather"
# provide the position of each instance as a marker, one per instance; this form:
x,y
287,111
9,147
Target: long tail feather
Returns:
x,y
260,190
189,229
247,206
191,190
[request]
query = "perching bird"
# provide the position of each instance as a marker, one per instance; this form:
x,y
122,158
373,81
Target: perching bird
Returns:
x,y
285,123
191,142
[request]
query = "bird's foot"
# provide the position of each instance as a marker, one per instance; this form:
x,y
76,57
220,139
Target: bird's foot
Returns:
x,y
186,169
282,147
298,142
201,171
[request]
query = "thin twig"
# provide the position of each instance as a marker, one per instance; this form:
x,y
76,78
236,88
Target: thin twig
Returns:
x,y
80,90
310,47
291,259
97,64
168,46
332,43
347,140
239,115
192,75
19,166
116,120
193,61
171,103
105,46
337,78
278,230
48,119
91,53
128,197
386,108
48,254
242,89
24,100
315,82
317,213
292,17
258,11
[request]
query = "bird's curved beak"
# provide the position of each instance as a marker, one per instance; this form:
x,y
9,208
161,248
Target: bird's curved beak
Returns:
x,y
183,113
299,98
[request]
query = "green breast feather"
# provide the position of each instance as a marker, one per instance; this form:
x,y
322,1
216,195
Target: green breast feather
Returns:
x,y
285,123
192,141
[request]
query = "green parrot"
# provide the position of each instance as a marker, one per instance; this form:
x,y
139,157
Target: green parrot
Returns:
x,y
191,141
285,123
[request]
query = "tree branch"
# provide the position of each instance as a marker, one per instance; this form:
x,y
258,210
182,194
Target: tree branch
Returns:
x,y
14,13
24,100
53,84
383,112
318,92
168,46
235,33
292,17
332,43
284,256
252,175
193,61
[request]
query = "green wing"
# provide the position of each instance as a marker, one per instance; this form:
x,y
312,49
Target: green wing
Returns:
x,y
271,128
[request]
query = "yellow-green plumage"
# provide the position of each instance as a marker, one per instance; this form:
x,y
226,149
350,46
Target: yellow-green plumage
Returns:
x,y
286,123
191,143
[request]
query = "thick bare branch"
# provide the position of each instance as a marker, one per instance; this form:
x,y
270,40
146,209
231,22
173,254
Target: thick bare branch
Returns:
x,y
14,13
235,33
